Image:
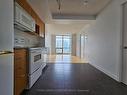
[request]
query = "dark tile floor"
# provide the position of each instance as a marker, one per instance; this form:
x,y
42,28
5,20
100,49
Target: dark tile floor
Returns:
x,y
75,79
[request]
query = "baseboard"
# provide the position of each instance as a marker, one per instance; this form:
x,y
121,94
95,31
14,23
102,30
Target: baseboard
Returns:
x,y
115,77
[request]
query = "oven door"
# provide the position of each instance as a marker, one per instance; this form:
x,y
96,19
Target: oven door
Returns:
x,y
35,61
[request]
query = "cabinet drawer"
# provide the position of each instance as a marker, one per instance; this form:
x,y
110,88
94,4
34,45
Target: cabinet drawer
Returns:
x,y
20,85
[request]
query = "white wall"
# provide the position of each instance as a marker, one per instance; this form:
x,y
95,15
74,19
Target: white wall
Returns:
x,y
64,28
74,44
78,45
78,41
103,43
53,44
47,38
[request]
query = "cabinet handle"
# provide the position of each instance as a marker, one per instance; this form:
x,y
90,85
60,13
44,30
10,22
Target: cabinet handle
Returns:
x,y
6,52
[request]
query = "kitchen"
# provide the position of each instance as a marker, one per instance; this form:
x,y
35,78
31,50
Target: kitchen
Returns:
x,y
28,32
30,44
25,38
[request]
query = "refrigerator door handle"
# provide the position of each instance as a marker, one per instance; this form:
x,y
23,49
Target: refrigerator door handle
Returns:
x,y
6,52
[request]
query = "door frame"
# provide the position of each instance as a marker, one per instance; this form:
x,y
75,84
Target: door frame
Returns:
x,y
81,45
121,42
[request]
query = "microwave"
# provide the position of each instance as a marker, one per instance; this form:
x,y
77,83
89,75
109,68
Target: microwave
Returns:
x,y
22,19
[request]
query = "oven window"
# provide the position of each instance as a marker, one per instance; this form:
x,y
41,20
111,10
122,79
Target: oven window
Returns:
x,y
37,57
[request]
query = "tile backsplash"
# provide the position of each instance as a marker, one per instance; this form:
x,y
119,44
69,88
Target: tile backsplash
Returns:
x,y
24,39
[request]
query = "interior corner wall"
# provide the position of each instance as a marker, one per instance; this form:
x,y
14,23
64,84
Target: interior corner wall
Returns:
x,y
53,43
78,45
61,29
103,43
47,38
73,52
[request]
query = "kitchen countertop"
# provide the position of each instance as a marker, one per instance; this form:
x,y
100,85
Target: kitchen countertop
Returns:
x,y
45,50
21,47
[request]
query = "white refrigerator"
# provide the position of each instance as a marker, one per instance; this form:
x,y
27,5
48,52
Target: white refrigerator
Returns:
x,y
6,47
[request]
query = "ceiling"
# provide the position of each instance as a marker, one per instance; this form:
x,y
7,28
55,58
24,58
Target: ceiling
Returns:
x,y
70,9
77,7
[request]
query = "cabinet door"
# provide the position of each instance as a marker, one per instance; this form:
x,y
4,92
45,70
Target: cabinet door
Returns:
x,y
33,14
20,85
42,29
20,70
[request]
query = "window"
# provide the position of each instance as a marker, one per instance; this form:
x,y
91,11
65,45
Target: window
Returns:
x,y
63,44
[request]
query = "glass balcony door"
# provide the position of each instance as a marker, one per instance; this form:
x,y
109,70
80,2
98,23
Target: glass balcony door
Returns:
x,y
63,44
